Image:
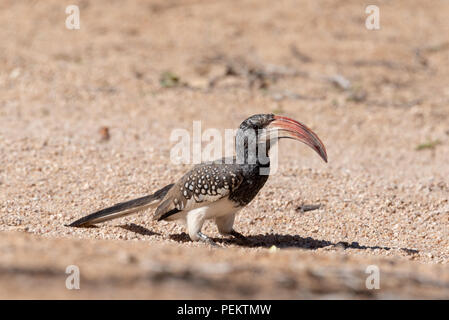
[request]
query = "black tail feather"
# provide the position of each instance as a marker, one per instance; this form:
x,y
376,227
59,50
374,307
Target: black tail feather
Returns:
x,y
121,209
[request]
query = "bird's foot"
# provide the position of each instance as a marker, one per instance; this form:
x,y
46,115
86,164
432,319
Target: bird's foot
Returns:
x,y
237,235
206,239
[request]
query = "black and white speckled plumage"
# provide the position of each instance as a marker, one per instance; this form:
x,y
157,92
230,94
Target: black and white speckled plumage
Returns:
x,y
209,182
206,182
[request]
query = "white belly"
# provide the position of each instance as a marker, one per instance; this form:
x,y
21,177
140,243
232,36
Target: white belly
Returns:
x,y
223,209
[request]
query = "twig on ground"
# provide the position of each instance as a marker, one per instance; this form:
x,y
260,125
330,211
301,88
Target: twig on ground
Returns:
x,y
308,207
257,76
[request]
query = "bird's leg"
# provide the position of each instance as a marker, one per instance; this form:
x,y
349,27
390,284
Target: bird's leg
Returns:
x,y
195,220
225,226
225,223
206,239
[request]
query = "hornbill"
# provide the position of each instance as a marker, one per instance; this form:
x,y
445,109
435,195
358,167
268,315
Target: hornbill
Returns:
x,y
218,189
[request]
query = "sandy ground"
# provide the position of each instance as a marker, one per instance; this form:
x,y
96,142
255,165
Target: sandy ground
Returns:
x,y
139,70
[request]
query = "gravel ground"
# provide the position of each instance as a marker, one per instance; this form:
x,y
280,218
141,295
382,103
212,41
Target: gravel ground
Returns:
x,y
86,117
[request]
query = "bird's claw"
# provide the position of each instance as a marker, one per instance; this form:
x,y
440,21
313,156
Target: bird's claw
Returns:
x,y
206,239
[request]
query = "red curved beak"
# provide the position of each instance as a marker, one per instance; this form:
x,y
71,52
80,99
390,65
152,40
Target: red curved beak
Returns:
x,y
289,128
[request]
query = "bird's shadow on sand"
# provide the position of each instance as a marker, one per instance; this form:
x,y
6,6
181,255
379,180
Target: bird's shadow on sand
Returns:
x,y
269,240
139,229
292,241
286,241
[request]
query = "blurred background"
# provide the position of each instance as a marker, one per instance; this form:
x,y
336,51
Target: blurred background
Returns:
x,y
86,115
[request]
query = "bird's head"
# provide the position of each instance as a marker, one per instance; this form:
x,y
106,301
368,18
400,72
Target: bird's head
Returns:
x,y
266,129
